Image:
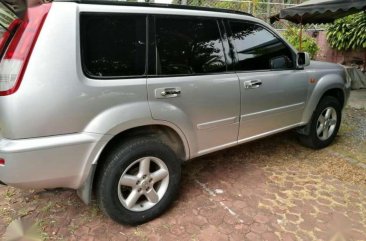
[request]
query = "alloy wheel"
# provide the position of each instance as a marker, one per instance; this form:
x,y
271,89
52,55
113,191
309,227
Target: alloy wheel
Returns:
x,y
143,184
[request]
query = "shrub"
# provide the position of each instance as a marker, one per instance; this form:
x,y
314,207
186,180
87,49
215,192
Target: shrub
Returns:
x,y
348,32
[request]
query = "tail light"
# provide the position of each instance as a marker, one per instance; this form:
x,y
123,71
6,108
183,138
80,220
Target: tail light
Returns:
x,y
2,162
16,56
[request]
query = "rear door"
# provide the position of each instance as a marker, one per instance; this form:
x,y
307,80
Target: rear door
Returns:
x,y
192,87
273,91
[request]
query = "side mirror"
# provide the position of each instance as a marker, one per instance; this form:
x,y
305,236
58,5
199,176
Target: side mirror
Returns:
x,y
302,60
281,62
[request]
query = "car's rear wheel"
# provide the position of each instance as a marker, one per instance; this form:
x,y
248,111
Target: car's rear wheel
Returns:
x,y
138,181
324,124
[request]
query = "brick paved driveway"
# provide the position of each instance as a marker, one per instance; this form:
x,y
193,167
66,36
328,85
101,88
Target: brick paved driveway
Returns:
x,y
272,189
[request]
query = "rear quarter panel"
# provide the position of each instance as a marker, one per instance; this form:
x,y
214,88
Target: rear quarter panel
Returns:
x,y
56,98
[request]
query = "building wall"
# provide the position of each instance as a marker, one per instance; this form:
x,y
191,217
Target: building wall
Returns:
x,y
326,53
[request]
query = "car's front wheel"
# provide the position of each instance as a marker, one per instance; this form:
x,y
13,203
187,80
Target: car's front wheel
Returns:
x,y
138,181
324,124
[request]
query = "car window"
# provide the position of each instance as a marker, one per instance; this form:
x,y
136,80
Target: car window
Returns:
x,y
188,46
8,25
6,17
113,45
259,49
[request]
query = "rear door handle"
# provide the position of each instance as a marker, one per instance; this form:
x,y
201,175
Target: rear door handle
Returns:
x,y
252,84
170,92
167,92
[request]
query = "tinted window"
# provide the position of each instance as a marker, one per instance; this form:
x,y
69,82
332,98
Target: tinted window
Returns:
x,y
258,49
7,23
6,18
113,45
188,46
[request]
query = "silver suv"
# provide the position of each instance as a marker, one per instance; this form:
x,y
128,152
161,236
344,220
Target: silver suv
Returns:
x,y
110,98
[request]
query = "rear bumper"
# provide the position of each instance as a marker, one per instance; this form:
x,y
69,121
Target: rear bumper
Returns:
x,y
48,162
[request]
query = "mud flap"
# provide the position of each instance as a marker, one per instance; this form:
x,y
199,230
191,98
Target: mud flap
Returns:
x,y
86,190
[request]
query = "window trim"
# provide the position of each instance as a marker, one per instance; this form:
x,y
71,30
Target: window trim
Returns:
x,y
221,33
151,46
235,61
189,75
82,48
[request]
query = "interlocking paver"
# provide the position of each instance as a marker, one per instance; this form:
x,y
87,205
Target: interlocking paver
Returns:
x,y
272,189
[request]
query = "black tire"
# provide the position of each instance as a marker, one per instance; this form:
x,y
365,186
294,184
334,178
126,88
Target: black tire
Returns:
x,y
312,139
108,189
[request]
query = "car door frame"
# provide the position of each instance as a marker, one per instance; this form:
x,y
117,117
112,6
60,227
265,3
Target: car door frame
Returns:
x,y
242,138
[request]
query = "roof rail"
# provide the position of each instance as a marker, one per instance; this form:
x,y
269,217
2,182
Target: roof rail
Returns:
x,y
158,5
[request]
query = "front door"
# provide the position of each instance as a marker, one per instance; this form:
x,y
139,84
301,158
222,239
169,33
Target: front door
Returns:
x,y
273,92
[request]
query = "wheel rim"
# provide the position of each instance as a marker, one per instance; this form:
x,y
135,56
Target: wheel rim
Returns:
x,y
143,184
326,123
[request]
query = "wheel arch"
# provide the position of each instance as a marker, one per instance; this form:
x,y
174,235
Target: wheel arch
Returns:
x,y
332,84
335,91
166,134
324,125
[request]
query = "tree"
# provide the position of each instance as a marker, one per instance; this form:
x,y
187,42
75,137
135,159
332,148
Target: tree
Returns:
x,y
242,6
348,32
260,8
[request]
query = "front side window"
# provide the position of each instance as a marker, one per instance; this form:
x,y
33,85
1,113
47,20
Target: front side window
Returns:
x,y
188,46
113,45
259,49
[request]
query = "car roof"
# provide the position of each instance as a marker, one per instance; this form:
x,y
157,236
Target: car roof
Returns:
x,y
156,5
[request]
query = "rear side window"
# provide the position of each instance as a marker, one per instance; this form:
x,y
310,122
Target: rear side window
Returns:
x,y
7,17
259,49
113,45
8,25
187,46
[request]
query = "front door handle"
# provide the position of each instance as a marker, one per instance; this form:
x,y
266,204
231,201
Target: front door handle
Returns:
x,y
252,84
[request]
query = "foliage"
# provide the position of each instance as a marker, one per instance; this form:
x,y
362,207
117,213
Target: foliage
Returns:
x,y
308,43
221,4
231,5
348,32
